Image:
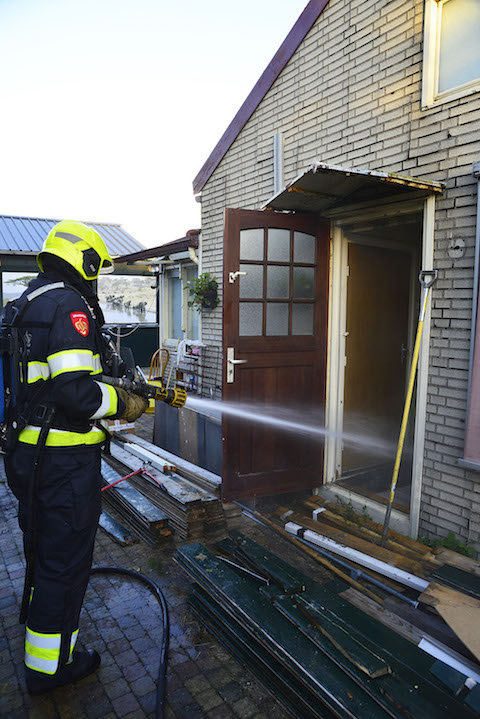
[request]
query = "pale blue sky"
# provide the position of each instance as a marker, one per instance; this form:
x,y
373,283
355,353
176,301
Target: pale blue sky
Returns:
x,y
110,107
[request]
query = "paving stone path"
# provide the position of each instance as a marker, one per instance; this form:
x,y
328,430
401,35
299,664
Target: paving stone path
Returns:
x,y
122,621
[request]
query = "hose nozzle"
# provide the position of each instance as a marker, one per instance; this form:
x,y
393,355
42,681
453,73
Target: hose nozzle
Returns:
x,y
175,397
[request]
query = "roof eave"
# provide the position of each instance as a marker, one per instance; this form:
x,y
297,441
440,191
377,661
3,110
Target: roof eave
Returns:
x,y
283,55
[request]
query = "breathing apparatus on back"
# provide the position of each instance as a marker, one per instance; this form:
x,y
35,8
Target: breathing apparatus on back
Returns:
x,y
80,254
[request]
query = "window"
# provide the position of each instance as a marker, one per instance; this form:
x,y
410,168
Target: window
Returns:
x,y
128,299
277,282
182,321
451,63
14,284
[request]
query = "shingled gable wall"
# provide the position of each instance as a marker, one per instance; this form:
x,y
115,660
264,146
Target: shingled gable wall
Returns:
x,y
350,96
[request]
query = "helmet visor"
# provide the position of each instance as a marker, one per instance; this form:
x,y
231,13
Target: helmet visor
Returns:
x,y
107,268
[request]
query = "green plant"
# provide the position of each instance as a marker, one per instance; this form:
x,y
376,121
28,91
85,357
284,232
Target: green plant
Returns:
x,y
204,292
449,542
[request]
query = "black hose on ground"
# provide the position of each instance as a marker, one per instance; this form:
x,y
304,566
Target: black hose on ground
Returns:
x,y
155,589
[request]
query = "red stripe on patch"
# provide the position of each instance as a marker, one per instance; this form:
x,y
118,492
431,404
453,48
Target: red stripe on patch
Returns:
x,y
80,322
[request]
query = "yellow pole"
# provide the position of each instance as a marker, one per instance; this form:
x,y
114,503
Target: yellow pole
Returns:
x,y
426,284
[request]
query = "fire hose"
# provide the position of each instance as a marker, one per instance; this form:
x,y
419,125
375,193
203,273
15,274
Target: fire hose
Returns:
x,y
157,592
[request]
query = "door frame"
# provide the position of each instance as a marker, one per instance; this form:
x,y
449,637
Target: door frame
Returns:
x,y
336,344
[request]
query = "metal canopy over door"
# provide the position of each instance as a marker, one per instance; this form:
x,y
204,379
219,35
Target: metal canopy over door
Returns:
x,y
275,316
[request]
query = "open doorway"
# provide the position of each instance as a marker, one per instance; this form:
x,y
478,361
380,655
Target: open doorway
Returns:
x,y
381,262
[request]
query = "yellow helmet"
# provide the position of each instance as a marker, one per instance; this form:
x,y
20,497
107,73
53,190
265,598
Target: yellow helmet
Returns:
x,y
79,245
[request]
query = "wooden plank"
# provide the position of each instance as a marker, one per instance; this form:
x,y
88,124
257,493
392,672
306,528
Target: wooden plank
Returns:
x,y
312,624
459,611
409,631
377,528
457,560
213,480
385,616
357,529
362,545
193,512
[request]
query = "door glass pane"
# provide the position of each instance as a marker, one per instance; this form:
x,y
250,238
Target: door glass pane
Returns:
x,y
278,245
459,55
250,318
251,284
251,244
277,318
302,319
303,282
278,281
303,247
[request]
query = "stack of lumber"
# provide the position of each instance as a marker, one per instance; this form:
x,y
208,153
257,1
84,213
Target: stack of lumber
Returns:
x,y
442,581
192,512
135,511
158,458
318,654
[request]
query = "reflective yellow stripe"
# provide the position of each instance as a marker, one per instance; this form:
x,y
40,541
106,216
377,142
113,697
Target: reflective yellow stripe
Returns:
x,y
42,651
109,403
97,365
62,438
70,361
37,370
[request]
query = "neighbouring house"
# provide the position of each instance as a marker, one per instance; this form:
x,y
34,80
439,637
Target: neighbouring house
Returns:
x,y
352,165
182,357
127,297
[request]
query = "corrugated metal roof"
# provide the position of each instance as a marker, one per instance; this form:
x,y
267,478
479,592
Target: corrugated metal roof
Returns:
x,y
26,234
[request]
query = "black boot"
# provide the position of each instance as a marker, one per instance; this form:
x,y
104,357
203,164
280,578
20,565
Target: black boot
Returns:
x,y
83,664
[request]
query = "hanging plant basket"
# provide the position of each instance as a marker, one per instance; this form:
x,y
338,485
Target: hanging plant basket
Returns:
x,y
204,292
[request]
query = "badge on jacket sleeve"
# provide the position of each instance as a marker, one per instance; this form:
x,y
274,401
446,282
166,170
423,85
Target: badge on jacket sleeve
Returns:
x,y
80,322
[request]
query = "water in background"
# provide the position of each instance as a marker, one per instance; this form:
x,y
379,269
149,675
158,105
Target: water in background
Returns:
x,y
122,316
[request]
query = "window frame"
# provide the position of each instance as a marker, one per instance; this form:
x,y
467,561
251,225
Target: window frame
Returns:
x,y
181,268
431,52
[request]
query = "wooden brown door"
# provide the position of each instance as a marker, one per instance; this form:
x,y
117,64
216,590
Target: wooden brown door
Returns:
x,y
378,298
275,316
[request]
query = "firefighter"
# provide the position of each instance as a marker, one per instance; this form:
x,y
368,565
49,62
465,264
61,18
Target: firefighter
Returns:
x,y
55,472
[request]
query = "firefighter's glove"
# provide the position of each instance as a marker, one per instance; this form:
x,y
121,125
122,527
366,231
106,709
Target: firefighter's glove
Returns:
x,y
135,405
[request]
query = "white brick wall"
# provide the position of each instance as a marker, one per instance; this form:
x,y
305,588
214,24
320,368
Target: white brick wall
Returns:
x,y
351,96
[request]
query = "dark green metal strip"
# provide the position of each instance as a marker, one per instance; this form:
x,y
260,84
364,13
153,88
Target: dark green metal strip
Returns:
x,y
241,598
458,578
251,654
278,570
244,602
452,678
473,700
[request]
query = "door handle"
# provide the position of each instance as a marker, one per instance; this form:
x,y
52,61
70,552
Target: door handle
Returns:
x,y
231,362
232,276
